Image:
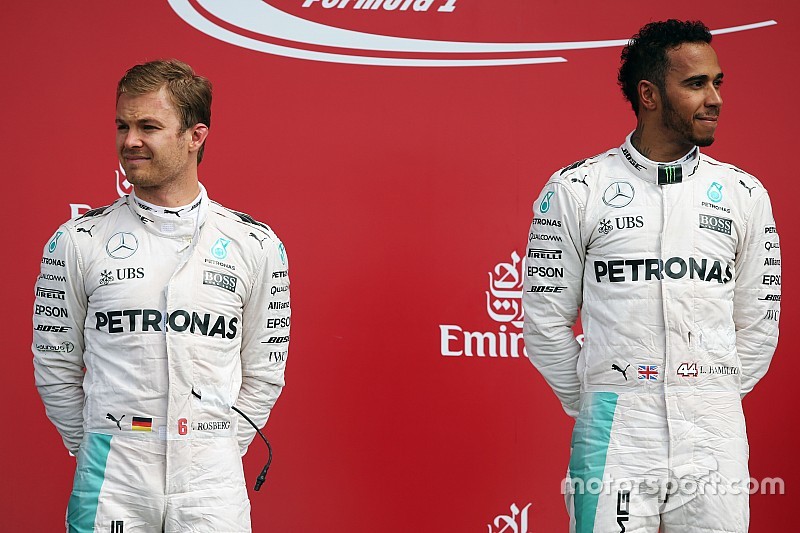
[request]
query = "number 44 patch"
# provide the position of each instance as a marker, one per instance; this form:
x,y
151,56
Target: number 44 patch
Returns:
x,y
688,370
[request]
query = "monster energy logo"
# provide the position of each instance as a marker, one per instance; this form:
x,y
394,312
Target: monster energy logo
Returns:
x,y
669,174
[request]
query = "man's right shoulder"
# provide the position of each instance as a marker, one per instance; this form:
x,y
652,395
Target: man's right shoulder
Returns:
x,y
581,177
580,170
95,215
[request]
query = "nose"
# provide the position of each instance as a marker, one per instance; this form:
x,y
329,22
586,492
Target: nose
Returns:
x,y
131,139
713,97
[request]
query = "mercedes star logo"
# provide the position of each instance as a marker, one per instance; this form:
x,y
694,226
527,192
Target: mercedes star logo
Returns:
x,y
122,245
618,194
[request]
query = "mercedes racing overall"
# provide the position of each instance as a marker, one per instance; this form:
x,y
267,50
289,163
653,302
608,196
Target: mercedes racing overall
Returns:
x,y
675,269
149,324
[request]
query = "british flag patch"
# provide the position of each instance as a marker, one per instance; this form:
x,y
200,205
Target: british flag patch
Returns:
x,y
649,372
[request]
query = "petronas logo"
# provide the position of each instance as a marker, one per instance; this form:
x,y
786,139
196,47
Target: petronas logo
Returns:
x,y
669,174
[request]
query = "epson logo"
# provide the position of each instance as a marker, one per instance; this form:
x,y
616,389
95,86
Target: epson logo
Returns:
x,y
539,253
675,267
219,279
282,322
43,292
771,279
132,320
46,310
714,223
545,272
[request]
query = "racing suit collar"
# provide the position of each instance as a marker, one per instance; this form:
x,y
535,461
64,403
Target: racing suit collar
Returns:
x,y
180,222
660,173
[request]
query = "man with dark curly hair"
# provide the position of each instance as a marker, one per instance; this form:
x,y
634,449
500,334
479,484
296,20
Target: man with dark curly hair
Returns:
x,y
673,260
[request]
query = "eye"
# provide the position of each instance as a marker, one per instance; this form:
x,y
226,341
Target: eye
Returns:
x,y
121,127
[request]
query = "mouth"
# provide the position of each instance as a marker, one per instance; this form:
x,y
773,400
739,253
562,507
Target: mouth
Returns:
x,y
135,158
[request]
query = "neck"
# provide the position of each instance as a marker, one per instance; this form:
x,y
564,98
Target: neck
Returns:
x,y
655,145
169,195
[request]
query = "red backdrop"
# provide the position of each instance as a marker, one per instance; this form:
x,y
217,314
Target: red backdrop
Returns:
x,y
397,190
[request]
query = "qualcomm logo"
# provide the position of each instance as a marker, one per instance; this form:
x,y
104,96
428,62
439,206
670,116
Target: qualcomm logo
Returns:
x,y
252,23
504,306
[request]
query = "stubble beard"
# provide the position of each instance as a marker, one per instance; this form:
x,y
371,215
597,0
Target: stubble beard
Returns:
x,y
673,121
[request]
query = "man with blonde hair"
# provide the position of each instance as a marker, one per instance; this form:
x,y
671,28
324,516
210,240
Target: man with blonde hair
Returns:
x,y
155,317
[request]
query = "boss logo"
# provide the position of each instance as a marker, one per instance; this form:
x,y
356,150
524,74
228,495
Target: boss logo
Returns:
x,y
220,279
714,223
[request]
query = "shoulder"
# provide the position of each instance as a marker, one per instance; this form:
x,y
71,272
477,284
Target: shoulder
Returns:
x,y
92,222
243,224
735,176
582,176
578,171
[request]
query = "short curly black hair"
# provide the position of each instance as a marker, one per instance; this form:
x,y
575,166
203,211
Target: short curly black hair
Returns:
x,y
645,55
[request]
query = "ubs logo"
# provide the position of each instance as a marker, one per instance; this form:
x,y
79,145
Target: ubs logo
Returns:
x,y
122,245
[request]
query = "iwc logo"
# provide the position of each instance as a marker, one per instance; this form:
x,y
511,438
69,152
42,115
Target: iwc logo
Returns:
x,y
618,194
122,245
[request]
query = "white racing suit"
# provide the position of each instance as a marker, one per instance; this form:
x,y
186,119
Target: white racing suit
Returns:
x,y
148,327
675,269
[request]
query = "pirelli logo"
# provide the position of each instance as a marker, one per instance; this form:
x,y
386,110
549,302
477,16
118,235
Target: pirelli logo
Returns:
x,y
43,292
541,253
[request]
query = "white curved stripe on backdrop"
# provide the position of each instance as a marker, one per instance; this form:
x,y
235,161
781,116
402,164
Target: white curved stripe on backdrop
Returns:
x,y
259,17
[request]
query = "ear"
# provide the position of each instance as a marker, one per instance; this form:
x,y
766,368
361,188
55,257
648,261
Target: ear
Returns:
x,y
649,96
198,132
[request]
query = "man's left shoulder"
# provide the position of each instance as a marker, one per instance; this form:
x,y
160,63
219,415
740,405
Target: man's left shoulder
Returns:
x,y
741,180
240,221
